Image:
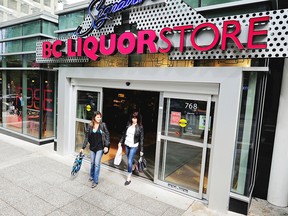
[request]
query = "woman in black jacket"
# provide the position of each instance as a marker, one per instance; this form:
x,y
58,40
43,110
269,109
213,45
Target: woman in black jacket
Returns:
x,y
99,139
132,138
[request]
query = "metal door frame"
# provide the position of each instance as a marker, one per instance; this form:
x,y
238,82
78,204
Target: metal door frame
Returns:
x,y
172,95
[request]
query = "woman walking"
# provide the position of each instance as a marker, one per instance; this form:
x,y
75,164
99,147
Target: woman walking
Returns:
x,y
132,138
99,139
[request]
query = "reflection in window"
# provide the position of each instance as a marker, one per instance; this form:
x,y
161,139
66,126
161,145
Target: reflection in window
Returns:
x,y
86,104
184,119
248,132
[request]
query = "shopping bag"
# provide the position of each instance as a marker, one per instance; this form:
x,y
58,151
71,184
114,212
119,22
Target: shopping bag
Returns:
x,y
118,156
77,164
142,164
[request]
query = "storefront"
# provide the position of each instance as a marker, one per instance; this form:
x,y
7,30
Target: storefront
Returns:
x,y
200,85
28,91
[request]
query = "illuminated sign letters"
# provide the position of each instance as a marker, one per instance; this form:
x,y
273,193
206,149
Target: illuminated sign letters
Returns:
x,y
128,42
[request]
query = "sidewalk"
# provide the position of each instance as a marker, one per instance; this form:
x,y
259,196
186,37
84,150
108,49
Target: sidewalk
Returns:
x,y
35,180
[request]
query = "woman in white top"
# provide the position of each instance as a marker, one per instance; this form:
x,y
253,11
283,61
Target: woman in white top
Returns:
x,y
132,138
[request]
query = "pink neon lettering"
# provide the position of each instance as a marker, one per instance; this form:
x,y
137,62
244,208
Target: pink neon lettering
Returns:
x,y
90,47
146,37
70,46
112,46
232,35
127,37
166,40
214,42
57,45
46,49
79,47
182,35
252,33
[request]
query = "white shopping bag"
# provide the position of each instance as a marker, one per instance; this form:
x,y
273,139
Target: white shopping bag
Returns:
x,y
118,156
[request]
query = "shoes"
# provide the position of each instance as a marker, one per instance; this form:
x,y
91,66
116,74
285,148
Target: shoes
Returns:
x,y
94,184
127,183
90,179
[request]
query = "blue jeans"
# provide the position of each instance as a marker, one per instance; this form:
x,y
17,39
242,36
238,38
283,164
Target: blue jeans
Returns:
x,y
95,159
130,152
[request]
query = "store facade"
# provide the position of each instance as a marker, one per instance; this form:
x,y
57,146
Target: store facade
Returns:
x,y
200,84
28,91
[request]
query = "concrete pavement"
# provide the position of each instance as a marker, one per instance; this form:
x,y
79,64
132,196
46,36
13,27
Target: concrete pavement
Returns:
x,y
35,180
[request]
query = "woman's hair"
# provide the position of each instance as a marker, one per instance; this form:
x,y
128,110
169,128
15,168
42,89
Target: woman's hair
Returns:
x,y
138,116
93,121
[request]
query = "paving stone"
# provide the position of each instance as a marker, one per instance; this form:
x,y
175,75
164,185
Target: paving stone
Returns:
x,y
129,210
34,206
148,204
101,200
80,207
57,197
14,194
58,213
10,211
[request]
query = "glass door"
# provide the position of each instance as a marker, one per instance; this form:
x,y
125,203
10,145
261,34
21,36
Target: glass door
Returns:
x,y
87,103
183,143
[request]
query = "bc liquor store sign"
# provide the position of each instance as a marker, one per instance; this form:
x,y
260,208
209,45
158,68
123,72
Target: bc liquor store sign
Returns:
x,y
258,35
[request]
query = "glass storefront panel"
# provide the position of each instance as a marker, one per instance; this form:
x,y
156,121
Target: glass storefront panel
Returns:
x,y
11,111
33,103
185,119
181,165
248,132
87,105
12,31
29,44
13,60
32,27
1,96
13,46
71,20
48,108
48,28
214,2
203,3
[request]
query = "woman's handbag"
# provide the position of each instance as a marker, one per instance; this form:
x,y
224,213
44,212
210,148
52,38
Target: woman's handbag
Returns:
x,y
142,164
118,156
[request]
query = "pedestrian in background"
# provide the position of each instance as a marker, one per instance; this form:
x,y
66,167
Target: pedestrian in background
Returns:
x,y
132,138
98,137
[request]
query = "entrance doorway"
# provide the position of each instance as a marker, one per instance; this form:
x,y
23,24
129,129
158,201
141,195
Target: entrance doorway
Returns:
x,y
118,104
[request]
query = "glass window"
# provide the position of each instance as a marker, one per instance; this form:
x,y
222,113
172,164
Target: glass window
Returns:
x,y
71,20
13,46
184,119
13,31
13,60
214,2
32,28
29,44
33,103
48,106
30,60
180,165
1,104
12,105
86,104
247,142
49,28
192,3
